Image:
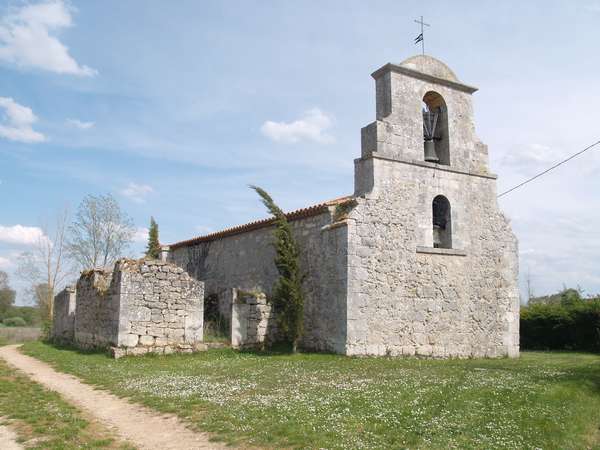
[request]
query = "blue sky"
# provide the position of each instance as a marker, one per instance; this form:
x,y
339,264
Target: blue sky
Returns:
x,y
176,107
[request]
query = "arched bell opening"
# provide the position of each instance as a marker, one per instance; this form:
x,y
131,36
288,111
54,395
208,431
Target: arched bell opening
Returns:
x,y
442,223
435,129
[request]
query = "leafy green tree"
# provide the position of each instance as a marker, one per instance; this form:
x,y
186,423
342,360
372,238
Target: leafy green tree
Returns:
x,y
30,314
287,298
570,297
7,295
153,248
14,322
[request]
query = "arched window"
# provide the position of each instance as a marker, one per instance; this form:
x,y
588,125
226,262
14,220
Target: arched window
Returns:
x,y
442,223
435,129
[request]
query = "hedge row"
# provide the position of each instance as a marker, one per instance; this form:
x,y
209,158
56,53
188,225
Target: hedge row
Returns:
x,y
564,326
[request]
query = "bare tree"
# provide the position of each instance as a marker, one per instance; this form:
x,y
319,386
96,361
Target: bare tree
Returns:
x,y
3,280
45,264
100,233
530,294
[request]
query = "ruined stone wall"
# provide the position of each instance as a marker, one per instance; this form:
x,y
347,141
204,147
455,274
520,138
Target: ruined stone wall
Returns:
x,y
63,316
245,261
141,306
161,308
253,321
405,297
97,310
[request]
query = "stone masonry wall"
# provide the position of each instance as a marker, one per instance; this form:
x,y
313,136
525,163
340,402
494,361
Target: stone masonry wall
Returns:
x,y
96,310
141,306
253,322
63,315
161,308
406,297
245,261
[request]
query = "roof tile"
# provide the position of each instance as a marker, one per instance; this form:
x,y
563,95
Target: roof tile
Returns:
x,y
302,213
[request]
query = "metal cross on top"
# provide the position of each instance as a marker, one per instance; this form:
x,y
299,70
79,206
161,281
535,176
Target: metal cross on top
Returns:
x,y
420,37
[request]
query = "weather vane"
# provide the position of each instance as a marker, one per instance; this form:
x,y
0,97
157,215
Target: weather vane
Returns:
x,y
420,37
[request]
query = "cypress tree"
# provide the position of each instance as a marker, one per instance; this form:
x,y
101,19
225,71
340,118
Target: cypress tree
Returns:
x,y
153,249
287,298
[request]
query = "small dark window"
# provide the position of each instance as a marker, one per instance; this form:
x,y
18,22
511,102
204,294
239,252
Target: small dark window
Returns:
x,y
442,223
435,129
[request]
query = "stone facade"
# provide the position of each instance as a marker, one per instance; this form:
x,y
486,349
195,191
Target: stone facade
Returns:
x,y
141,306
405,296
96,323
389,270
253,321
244,261
63,323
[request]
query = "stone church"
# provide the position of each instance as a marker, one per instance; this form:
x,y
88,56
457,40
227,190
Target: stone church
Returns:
x,y
418,261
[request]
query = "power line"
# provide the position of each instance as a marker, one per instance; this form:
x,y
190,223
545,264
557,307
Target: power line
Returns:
x,y
551,168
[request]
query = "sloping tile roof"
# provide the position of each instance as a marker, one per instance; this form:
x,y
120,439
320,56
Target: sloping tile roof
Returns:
x,y
309,211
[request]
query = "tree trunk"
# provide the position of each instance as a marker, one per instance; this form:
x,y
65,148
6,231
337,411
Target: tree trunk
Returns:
x,y
295,346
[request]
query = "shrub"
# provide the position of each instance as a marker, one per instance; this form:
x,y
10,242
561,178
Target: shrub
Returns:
x,y
14,322
568,325
288,297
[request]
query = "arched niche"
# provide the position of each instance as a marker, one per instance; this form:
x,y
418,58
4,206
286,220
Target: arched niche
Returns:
x,y
442,222
435,129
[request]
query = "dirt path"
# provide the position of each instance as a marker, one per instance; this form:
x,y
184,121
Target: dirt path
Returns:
x,y
141,426
8,439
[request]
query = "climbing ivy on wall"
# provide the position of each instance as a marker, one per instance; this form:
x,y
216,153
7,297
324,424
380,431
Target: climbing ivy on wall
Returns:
x,y
287,298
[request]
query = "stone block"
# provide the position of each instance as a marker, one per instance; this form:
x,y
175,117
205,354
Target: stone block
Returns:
x,y
117,352
137,351
147,341
131,340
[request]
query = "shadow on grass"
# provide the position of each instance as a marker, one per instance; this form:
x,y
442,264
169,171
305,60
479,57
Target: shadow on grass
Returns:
x,y
584,376
74,349
281,349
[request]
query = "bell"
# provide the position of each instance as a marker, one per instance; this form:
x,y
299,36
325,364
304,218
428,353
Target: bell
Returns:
x,y
430,154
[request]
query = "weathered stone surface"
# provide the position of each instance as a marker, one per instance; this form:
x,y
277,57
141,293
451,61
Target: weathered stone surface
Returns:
x,y
245,261
374,283
122,309
146,341
96,310
252,321
407,297
63,323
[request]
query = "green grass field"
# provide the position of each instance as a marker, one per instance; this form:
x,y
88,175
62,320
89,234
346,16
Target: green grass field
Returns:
x,y
542,400
42,419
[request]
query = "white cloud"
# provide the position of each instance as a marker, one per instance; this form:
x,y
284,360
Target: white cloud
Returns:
x,y
16,123
5,263
311,127
26,38
593,7
533,158
19,234
137,192
80,124
141,235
